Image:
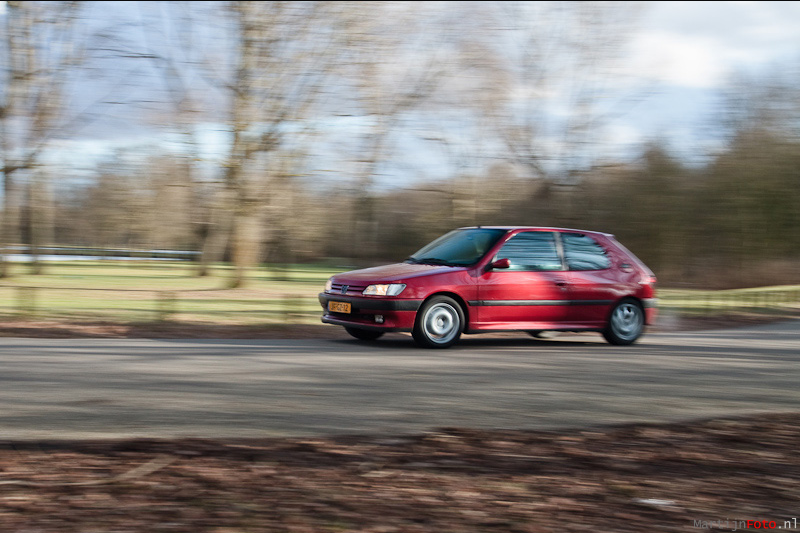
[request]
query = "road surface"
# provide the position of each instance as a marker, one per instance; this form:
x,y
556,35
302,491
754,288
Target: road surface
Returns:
x,y
114,388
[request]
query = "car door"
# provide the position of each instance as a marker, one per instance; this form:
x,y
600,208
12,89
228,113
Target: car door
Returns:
x,y
532,292
594,284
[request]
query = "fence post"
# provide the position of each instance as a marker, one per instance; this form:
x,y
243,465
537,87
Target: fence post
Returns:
x,y
26,301
291,308
298,309
166,305
285,308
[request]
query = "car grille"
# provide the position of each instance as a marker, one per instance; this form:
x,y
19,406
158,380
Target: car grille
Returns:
x,y
336,288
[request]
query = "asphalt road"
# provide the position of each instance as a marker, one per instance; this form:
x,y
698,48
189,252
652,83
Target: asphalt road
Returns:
x,y
81,388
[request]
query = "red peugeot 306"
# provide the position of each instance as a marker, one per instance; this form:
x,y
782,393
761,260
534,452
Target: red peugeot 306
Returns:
x,y
491,278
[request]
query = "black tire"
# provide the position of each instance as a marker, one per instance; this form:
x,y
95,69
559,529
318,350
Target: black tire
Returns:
x,y
439,323
364,334
625,323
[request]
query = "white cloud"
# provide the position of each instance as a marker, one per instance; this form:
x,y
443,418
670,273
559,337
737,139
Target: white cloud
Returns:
x,y
618,134
698,44
691,62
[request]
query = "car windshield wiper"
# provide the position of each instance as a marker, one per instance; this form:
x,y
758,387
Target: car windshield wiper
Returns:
x,y
430,261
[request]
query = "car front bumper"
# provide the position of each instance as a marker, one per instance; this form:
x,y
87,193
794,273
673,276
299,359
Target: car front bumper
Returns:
x,y
393,314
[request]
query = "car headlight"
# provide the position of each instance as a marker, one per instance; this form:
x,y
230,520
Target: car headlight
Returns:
x,y
329,285
391,289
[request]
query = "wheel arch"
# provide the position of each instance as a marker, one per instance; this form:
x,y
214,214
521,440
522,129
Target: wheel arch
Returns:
x,y
628,297
458,299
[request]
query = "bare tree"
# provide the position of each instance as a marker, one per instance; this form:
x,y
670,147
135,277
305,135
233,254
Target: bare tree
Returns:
x,y
281,58
172,46
767,103
563,80
40,55
394,55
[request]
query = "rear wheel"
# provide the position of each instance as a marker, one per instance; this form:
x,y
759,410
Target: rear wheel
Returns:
x,y
625,324
439,323
364,334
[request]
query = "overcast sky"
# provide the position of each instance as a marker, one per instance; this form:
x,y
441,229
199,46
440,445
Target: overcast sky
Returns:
x,y
692,50
688,51
700,44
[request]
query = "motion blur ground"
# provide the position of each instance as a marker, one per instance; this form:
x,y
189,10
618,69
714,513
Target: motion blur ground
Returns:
x,y
401,473
401,469
111,388
632,478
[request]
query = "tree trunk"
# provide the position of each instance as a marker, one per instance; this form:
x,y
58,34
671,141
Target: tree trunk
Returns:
x,y
10,223
215,235
245,243
41,217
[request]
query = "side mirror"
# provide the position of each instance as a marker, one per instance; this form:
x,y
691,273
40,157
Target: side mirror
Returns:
x,y
500,263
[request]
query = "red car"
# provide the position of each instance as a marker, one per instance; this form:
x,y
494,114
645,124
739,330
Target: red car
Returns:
x,y
490,278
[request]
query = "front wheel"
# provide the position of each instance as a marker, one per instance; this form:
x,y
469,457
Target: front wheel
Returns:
x,y
626,323
364,334
439,323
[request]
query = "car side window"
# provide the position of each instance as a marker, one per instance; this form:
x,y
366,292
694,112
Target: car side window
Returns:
x,y
584,253
532,250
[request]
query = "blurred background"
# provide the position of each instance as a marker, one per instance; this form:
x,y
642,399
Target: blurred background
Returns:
x,y
237,138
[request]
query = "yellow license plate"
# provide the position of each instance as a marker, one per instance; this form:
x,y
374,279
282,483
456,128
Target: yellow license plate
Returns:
x,y
339,307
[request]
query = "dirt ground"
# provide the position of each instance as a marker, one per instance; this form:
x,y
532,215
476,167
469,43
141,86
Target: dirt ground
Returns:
x,y
164,330
634,478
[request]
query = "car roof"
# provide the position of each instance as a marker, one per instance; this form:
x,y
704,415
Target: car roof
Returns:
x,y
539,228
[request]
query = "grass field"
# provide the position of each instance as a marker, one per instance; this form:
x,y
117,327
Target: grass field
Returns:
x,y
146,291
127,292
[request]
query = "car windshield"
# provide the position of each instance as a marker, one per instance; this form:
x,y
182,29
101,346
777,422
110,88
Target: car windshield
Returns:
x,y
460,247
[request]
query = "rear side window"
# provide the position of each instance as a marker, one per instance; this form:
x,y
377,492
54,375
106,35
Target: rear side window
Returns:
x,y
533,250
584,253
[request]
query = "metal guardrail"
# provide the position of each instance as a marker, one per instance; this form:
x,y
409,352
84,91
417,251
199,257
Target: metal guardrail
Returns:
x,y
101,253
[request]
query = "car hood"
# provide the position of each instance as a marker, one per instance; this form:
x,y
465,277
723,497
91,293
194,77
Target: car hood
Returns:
x,y
394,272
